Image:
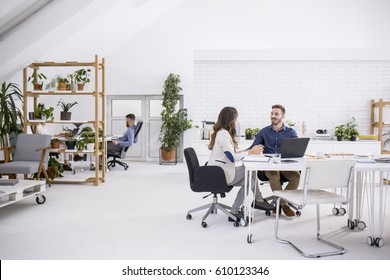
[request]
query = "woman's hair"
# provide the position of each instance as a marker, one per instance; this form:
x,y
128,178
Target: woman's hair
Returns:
x,y
226,120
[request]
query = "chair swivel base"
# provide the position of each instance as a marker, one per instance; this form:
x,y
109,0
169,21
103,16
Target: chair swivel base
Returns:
x,y
113,163
212,209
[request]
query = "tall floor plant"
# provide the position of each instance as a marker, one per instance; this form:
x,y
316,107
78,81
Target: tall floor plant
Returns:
x,y
11,117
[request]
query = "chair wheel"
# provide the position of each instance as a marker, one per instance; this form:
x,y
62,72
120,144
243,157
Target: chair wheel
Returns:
x,y
243,223
361,225
370,240
204,224
40,200
342,211
126,167
189,217
268,213
379,242
298,213
249,238
73,171
236,224
335,211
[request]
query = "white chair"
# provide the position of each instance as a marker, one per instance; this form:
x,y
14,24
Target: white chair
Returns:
x,y
320,177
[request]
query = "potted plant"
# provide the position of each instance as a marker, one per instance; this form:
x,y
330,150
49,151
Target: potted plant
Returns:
x,y
55,143
36,79
65,114
54,168
340,132
43,113
350,131
70,141
58,82
82,77
386,143
11,117
255,131
174,123
80,144
248,133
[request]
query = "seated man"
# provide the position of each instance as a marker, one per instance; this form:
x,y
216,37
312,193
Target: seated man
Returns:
x,y
127,139
270,137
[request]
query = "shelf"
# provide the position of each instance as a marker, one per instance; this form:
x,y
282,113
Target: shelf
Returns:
x,y
96,92
385,152
34,65
36,122
63,92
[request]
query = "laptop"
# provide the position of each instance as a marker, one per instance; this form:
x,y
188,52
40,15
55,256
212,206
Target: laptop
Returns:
x,y
293,147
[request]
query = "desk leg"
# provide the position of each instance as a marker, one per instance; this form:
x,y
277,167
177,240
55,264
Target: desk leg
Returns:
x,y
376,195
251,210
355,208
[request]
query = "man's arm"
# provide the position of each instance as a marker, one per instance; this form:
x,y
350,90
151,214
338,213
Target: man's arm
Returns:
x,y
258,140
128,140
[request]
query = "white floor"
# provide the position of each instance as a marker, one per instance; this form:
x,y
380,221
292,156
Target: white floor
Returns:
x,y
140,214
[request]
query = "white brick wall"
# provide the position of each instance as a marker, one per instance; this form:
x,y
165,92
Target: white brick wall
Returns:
x,y
322,93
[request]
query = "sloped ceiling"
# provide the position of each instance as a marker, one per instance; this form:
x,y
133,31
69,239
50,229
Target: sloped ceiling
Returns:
x,y
76,30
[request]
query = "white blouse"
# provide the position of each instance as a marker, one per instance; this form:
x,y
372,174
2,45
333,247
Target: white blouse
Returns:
x,y
224,143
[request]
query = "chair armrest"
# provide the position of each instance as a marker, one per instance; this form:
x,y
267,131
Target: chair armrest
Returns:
x,y
7,153
43,148
7,148
210,179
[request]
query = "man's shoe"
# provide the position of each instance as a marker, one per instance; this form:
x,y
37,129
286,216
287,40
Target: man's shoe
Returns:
x,y
67,167
262,205
238,215
287,211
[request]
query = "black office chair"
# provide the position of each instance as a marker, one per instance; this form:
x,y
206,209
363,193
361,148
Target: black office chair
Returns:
x,y
121,153
208,179
273,199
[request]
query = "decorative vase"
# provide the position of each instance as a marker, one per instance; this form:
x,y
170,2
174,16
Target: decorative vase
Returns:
x,y
70,145
62,86
65,116
55,144
80,87
168,155
38,86
90,146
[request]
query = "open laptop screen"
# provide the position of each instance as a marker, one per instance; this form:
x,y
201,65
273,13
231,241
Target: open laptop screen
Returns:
x,y
293,147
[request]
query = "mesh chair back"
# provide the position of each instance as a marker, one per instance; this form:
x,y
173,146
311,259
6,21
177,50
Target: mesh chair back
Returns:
x,y
27,144
323,174
136,132
192,162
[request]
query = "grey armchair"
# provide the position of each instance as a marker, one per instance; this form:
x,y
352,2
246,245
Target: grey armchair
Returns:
x,y
30,156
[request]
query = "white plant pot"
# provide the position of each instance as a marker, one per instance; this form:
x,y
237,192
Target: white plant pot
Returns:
x,y
90,146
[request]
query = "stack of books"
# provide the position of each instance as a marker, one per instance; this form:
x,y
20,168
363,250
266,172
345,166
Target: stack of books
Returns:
x,y
369,137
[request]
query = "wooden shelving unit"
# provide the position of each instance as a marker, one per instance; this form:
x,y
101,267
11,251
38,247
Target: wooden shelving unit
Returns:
x,y
379,124
98,96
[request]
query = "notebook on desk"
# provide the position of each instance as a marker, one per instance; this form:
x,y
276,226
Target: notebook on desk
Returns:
x,y
293,147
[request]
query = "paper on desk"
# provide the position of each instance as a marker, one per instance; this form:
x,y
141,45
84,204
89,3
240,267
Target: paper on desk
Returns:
x,y
256,158
365,160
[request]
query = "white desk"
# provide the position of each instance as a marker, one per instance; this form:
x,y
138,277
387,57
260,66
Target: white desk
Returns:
x,y
366,179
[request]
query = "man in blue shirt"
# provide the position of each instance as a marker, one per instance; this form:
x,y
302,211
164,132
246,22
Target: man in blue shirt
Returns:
x,y
270,137
127,139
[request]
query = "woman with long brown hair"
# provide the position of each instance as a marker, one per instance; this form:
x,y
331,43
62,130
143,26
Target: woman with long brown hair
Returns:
x,y
223,146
